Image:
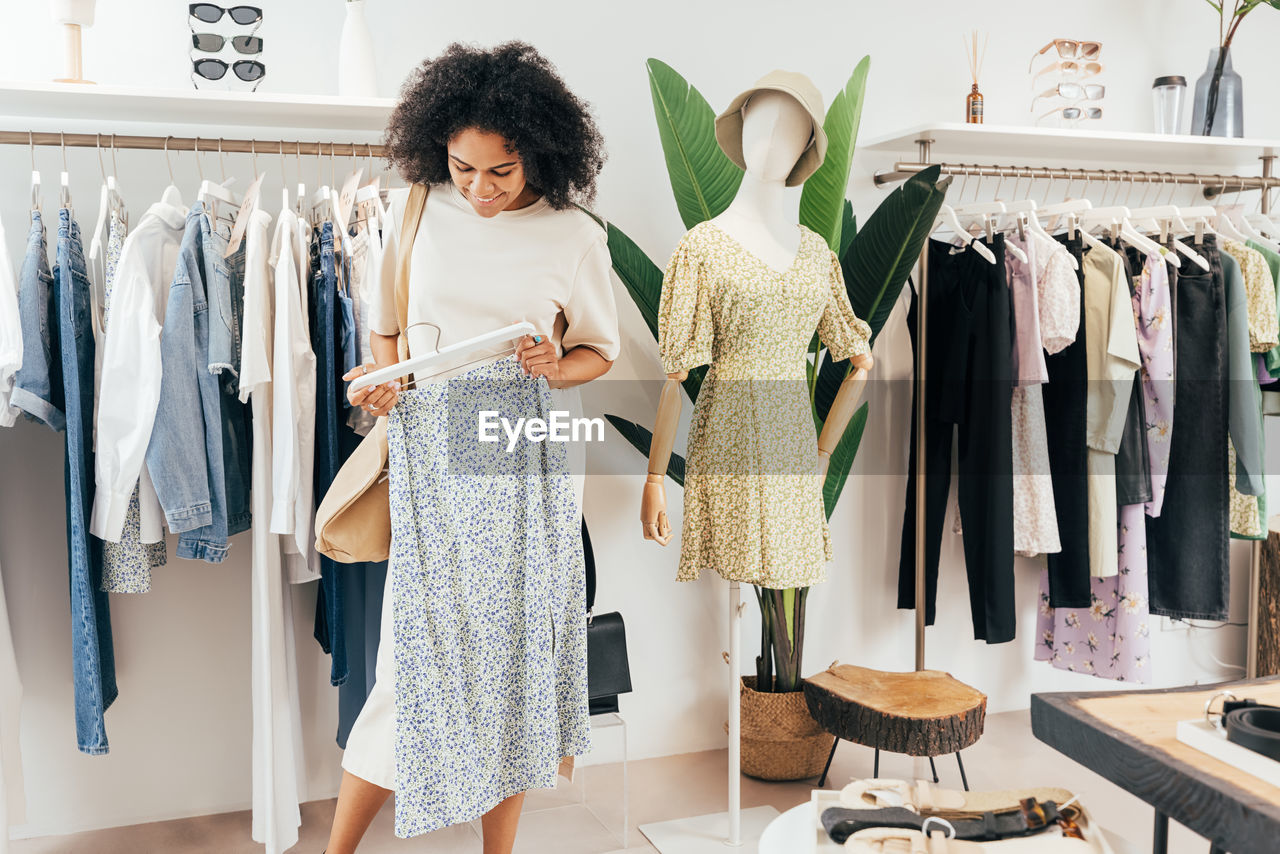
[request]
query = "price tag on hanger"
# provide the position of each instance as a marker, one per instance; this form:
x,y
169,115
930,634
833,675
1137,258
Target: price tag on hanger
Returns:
x,y
346,198
242,219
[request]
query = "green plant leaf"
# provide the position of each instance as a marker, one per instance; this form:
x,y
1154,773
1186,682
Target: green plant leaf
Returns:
x,y
641,277
823,198
849,225
879,259
641,439
842,459
703,179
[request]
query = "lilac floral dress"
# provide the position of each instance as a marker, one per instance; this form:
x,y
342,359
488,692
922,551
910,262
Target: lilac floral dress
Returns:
x,y
489,601
1112,638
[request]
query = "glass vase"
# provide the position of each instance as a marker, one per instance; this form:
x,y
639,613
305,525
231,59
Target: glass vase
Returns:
x,y
1228,116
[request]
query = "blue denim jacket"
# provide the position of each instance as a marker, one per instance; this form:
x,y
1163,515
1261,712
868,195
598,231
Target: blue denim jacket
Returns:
x,y
224,285
188,422
37,388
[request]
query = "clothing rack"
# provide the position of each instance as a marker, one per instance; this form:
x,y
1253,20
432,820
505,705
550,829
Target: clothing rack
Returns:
x,y
1214,184
197,144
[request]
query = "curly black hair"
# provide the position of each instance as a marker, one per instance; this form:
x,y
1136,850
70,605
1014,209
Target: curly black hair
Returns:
x,y
510,90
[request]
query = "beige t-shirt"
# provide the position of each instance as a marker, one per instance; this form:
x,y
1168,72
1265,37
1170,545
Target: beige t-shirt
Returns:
x,y
471,275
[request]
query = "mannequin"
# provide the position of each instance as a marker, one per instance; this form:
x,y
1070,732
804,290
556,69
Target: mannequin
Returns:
x,y
776,131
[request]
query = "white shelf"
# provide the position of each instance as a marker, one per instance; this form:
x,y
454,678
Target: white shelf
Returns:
x,y
75,107
1031,146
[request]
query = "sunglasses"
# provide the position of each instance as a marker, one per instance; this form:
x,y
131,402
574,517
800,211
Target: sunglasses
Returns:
x,y
1074,91
211,14
1070,66
1072,113
1069,49
248,70
212,43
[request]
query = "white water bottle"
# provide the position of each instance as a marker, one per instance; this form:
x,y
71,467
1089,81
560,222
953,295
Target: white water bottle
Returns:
x,y
357,75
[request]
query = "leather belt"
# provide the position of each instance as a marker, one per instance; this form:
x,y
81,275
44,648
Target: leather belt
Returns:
x,y
1257,728
1032,817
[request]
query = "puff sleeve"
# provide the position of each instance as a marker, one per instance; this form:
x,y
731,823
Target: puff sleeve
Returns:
x,y
685,328
843,332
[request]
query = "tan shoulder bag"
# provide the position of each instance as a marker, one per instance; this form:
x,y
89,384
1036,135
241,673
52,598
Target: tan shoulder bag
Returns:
x,y
353,522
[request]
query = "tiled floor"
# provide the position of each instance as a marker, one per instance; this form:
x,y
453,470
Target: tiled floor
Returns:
x,y
674,787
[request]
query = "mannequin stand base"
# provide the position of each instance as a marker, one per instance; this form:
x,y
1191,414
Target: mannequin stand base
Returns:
x,y
71,80
708,834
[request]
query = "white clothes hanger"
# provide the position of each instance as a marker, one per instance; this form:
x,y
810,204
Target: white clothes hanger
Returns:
x,y
441,355
35,175
947,216
64,194
1168,219
211,193
1117,218
109,201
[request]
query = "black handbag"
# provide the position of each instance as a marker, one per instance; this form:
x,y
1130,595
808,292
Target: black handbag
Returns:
x,y
608,671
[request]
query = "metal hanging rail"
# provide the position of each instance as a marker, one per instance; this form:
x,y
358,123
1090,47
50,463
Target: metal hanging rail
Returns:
x,y
187,143
1214,184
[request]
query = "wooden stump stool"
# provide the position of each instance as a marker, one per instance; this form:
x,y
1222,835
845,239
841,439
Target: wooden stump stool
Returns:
x,y
921,713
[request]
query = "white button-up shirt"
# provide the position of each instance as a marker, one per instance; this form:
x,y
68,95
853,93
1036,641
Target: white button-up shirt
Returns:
x,y
130,388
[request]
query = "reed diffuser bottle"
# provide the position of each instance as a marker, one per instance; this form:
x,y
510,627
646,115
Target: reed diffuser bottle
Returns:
x,y
973,107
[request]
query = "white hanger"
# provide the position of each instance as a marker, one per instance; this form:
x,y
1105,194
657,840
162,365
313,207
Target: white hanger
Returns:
x,y
211,192
418,364
1250,232
108,200
947,216
1263,224
1119,216
35,174
64,194
1164,218
989,213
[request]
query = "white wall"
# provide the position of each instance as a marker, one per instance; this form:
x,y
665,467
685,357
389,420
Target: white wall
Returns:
x,y
180,733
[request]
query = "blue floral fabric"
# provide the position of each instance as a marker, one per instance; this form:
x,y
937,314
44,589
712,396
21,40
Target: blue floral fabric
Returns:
x,y
489,604
126,565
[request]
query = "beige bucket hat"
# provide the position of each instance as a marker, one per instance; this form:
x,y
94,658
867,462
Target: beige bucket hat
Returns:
x,y
729,123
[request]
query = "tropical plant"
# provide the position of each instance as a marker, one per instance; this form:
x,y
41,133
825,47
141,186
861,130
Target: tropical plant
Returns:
x,y
876,261
1227,32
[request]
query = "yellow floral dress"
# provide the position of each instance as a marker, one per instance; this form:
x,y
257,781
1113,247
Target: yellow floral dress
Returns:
x,y
752,501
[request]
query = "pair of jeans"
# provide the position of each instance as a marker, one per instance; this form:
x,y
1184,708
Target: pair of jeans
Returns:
x,y
969,384
330,630
93,657
224,283
188,423
1187,545
37,387
1133,462
1065,409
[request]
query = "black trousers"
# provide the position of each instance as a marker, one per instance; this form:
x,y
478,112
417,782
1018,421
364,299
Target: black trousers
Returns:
x,y
1187,567
1065,398
969,385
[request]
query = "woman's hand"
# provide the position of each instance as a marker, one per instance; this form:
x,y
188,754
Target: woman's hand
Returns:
x,y
377,399
538,357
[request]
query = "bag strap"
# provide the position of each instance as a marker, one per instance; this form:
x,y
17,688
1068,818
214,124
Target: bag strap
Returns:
x,y
589,560
408,231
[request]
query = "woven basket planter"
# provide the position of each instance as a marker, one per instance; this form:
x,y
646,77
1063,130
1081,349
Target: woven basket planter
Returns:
x,y
780,739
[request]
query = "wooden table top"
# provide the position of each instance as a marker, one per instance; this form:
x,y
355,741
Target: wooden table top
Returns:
x,y
1129,738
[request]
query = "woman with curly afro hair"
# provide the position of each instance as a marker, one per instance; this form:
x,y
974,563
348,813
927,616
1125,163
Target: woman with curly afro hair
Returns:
x,y
481,692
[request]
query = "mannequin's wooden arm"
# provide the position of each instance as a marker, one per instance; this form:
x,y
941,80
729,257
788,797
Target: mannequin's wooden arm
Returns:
x,y
653,502
842,409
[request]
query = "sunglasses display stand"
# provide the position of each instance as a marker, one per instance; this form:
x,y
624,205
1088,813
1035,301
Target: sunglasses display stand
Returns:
x,y
72,15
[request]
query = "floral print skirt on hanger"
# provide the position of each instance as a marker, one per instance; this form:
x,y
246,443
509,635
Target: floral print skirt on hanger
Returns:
x,y
489,600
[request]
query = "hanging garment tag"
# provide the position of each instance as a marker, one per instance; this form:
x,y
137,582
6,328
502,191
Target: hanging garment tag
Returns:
x,y
346,198
242,218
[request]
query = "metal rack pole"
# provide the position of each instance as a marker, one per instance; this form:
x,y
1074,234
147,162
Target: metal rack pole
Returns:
x,y
187,143
1214,184
921,344
1255,548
